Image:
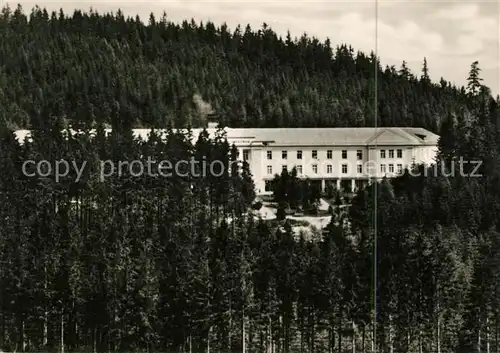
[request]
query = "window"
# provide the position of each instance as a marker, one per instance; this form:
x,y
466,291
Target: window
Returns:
x,y
360,168
359,154
382,153
269,169
315,168
299,169
399,153
268,185
284,168
299,154
329,154
246,155
344,154
315,154
329,169
269,154
391,168
382,168
284,155
391,153
399,168
344,168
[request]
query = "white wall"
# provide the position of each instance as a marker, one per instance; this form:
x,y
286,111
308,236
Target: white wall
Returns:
x,y
371,161
404,161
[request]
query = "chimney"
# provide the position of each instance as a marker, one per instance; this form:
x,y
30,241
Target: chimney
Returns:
x,y
213,124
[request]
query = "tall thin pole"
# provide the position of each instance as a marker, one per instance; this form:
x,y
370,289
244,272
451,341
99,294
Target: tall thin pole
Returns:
x,y
375,196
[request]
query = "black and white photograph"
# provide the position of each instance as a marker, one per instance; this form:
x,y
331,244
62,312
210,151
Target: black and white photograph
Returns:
x,y
228,176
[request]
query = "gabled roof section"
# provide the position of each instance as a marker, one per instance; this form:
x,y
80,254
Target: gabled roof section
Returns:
x,y
424,136
392,136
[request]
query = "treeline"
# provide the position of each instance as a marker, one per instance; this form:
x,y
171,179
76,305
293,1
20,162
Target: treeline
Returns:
x,y
84,65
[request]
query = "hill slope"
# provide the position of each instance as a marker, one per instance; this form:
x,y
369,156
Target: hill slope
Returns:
x,y
92,67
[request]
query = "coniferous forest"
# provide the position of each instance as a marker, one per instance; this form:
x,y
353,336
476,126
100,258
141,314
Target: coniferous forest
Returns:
x,y
179,264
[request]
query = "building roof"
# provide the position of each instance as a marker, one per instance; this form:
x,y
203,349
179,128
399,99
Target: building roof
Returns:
x,y
338,136
365,136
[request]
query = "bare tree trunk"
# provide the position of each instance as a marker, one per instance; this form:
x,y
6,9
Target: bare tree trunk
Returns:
x,y
261,339
373,338
497,348
280,334
115,320
286,329
313,337
279,339
74,327
23,337
487,333
420,343
230,323
94,340
270,336
273,343
438,333
77,333
243,333
330,339
45,338
312,332
408,339
435,330
479,339
341,326
251,333
391,338
363,338
208,338
301,335
408,332
353,337
62,333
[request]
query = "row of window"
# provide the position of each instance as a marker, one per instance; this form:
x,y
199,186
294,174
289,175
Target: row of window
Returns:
x,y
329,154
314,154
391,168
399,153
329,168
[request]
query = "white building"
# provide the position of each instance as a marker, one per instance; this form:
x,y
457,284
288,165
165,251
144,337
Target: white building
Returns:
x,y
345,157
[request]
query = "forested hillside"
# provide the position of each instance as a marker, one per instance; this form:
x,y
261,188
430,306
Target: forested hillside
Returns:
x,y
88,66
178,264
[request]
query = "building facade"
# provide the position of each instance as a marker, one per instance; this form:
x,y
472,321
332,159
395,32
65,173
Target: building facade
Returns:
x,y
346,158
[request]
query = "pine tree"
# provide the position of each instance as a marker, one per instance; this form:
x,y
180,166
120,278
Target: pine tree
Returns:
x,y
474,80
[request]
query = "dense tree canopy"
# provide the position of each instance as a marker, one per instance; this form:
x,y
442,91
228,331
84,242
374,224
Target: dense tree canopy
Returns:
x,y
178,263
88,67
